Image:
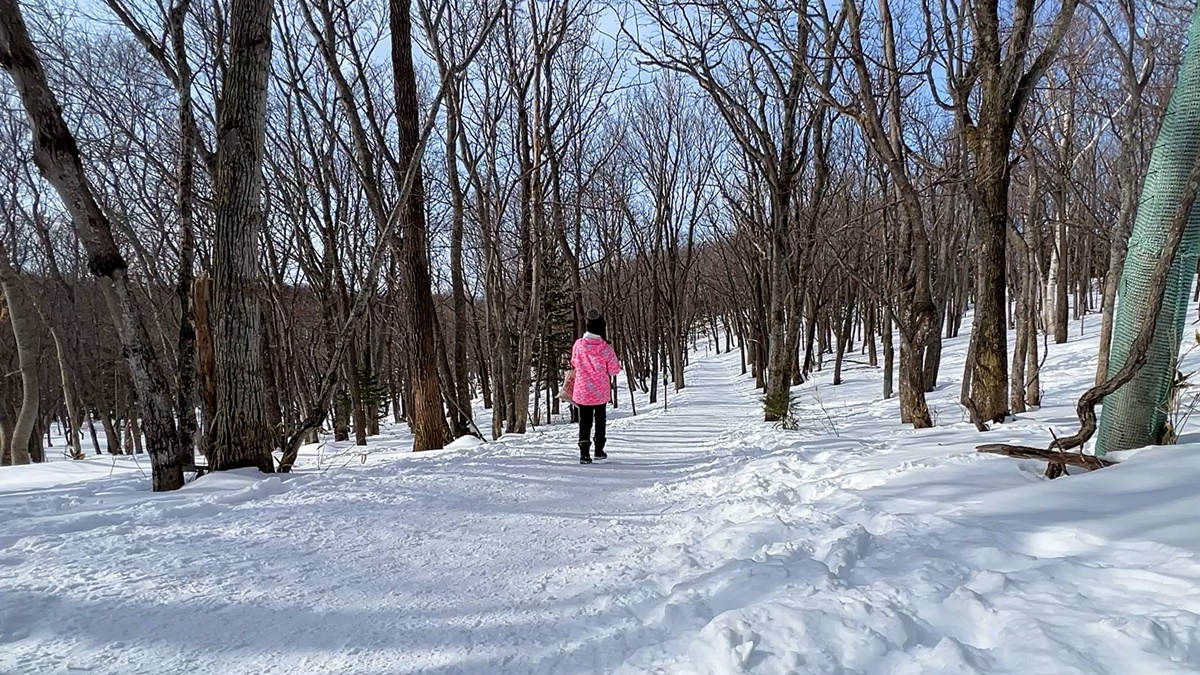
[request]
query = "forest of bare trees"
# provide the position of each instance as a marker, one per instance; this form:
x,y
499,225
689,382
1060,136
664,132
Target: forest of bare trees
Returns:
x,y
226,227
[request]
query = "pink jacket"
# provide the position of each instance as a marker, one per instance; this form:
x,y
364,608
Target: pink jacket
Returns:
x,y
594,362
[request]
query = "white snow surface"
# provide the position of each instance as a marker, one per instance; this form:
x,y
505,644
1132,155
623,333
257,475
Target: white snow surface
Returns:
x,y
709,543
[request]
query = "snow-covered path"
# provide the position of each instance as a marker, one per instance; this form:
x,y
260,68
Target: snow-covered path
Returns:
x,y
491,559
709,543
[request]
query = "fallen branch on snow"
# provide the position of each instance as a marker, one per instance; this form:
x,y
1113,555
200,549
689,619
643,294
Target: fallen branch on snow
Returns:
x,y
1054,457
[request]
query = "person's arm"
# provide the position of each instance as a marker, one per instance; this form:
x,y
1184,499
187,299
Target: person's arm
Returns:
x,y
614,364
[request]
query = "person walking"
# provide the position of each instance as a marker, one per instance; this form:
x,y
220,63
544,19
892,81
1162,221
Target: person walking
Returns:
x,y
595,363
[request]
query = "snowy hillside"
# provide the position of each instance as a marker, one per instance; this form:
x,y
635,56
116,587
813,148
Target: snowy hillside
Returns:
x,y
708,543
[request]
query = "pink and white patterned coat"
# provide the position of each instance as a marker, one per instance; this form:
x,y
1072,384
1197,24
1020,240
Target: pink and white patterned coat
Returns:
x,y
594,362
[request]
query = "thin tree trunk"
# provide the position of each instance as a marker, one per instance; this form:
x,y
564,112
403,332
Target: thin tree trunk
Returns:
x,y
68,386
358,413
1060,302
92,431
36,451
889,353
185,365
206,363
461,386
1021,349
135,432
844,336
112,438
20,317
869,336
6,434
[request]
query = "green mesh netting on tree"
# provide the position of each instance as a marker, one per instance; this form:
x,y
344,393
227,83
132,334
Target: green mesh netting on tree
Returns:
x,y
1135,414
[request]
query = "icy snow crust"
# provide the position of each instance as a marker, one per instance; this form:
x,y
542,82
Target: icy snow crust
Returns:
x,y
709,543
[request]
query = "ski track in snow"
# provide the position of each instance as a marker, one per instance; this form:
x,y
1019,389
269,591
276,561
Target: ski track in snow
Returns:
x,y
709,543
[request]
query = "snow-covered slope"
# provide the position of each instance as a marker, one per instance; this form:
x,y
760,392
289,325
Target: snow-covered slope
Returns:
x,y
709,543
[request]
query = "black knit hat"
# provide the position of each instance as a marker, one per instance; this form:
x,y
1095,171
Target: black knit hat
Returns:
x,y
594,323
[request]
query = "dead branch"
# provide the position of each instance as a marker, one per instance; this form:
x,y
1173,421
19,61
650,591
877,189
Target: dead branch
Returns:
x,y
1088,462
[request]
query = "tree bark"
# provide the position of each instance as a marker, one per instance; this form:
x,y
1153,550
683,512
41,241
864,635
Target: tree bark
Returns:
x,y
185,364
989,367
243,436
427,415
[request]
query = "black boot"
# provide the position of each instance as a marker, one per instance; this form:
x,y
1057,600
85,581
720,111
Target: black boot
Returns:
x,y
584,456
600,454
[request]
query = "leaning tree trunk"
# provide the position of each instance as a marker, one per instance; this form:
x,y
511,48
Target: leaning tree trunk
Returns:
x,y
74,414
57,157
427,416
1135,414
243,436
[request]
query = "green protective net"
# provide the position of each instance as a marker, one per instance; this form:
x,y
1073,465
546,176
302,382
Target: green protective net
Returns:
x,y
1134,415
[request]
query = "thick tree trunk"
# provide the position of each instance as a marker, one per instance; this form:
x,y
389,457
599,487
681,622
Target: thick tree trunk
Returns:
x,y
989,368
427,415
1005,85
243,433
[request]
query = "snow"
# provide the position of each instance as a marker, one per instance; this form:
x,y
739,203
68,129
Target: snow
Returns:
x,y
709,543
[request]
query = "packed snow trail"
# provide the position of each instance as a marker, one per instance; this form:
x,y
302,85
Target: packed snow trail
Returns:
x,y
488,560
708,543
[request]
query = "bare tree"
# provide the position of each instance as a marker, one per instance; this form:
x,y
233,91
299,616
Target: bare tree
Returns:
x,y
990,89
57,157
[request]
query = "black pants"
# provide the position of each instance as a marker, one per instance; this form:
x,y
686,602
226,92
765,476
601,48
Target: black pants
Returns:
x,y
588,414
